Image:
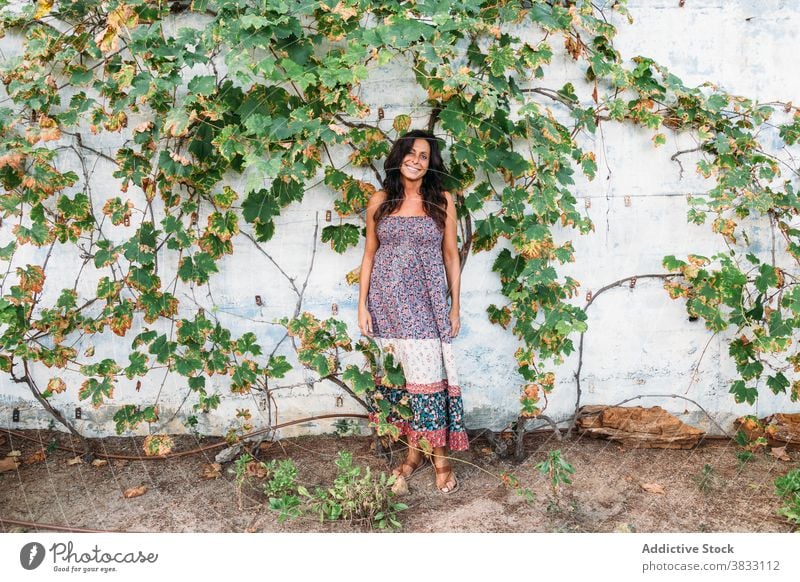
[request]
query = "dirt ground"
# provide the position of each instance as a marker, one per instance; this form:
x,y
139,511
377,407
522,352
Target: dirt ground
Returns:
x,y
606,494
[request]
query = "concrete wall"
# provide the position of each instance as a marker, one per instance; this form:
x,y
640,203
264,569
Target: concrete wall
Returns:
x,y
639,341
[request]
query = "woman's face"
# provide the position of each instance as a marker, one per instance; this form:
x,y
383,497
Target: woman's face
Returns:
x,y
415,163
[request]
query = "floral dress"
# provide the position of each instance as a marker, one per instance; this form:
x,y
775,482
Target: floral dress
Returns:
x,y
407,299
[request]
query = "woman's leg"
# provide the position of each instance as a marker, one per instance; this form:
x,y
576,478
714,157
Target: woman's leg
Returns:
x,y
412,461
445,480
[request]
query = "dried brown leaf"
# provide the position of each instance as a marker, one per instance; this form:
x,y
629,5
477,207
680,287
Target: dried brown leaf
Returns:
x,y
56,385
74,461
36,457
780,453
212,471
652,488
256,469
157,444
99,463
134,491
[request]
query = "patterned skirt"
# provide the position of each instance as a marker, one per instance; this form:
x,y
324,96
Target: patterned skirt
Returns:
x,y
434,409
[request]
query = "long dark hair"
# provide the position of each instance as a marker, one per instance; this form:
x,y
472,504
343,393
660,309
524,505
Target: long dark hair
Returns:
x,y
433,199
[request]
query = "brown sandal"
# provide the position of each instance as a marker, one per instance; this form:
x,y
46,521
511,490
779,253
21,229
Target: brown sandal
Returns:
x,y
445,489
415,467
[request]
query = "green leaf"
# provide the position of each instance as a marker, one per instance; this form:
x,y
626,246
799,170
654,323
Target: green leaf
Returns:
x,y
143,279
260,207
77,207
67,299
223,225
542,14
767,278
105,255
177,122
225,198
38,234
361,382
499,316
7,251
197,383
117,210
394,372
204,85
716,102
792,300
197,268
138,365
96,390
278,366
778,383
127,417
247,343
671,264
230,143
341,236
162,348
742,393
453,120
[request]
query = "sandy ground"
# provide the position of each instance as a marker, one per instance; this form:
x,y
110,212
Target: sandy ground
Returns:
x,y
606,494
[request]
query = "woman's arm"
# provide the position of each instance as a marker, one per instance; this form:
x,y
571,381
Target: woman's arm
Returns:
x,y
370,248
452,260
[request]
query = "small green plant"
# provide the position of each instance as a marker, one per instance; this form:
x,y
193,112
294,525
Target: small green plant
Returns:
x,y
748,446
240,468
707,480
787,487
246,466
356,495
345,427
742,458
287,506
282,478
282,489
558,470
51,446
240,475
512,482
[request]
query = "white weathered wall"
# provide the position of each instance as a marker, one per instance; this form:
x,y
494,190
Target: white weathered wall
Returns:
x,y
639,341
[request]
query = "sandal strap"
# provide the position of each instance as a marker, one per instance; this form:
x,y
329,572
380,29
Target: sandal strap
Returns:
x,y
412,466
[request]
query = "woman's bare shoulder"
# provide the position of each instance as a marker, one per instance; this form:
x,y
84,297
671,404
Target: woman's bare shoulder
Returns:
x,y
376,200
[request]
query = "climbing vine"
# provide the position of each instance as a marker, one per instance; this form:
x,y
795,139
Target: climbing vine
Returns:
x,y
226,113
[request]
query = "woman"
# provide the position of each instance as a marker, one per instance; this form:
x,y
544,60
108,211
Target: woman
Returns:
x,y
410,264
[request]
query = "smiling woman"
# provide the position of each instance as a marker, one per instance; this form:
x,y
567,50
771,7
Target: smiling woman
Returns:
x,y
410,264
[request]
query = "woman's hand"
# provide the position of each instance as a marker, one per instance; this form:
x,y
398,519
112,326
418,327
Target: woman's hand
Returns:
x,y
455,323
365,321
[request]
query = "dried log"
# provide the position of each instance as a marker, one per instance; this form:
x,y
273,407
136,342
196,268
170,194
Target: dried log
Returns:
x,y
638,427
9,464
